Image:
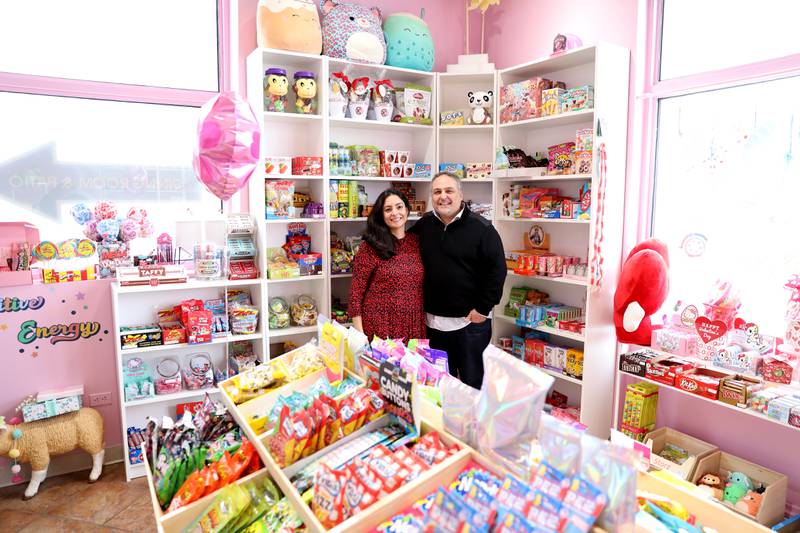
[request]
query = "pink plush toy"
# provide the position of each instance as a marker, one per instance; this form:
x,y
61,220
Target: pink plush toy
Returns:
x,y
351,31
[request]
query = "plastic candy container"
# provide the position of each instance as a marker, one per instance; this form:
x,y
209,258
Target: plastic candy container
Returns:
x,y
305,90
278,313
208,261
168,376
304,311
198,372
276,85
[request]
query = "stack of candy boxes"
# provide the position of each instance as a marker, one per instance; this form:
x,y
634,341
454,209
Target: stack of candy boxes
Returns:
x,y
532,309
281,197
526,201
540,97
536,263
534,350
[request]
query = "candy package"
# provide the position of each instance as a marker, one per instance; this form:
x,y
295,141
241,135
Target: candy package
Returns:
x,y
458,409
509,409
328,499
244,319
279,199
561,445
611,469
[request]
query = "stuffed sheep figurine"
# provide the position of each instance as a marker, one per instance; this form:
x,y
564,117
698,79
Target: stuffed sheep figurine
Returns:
x,y
351,31
35,442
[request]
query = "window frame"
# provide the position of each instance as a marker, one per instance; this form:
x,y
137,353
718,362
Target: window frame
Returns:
x,y
650,89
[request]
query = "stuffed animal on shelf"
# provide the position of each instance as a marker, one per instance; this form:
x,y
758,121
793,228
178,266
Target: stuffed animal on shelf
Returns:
x,y
480,102
409,41
740,479
352,31
733,493
35,442
750,503
289,25
712,484
642,288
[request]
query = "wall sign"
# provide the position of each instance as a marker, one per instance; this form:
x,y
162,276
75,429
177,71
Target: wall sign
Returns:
x,y
13,305
29,331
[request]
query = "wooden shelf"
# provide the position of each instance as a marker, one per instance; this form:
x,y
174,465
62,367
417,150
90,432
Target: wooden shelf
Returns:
x,y
167,347
168,398
562,119
562,279
544,329
545,220
722,405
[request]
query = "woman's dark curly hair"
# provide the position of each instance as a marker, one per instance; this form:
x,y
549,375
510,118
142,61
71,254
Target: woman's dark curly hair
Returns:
x,y
377,233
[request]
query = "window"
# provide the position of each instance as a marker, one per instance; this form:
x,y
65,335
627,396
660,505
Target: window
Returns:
x,y
100,101
726,159
147,42
706,35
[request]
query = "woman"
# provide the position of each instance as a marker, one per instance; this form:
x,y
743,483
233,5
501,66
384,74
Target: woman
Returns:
x,y
386,293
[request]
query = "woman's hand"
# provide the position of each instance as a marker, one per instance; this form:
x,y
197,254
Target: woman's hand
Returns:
x,y
358,324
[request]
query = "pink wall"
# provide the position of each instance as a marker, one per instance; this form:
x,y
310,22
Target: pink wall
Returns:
x,y
40,365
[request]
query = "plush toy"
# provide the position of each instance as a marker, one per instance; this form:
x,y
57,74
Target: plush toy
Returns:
x,y
289,25
351,31
750,503
35,442
712,484
409,42
733,493
480,102
740,479
642,288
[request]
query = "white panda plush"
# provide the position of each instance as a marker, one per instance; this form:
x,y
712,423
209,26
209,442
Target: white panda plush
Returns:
x,y
481,104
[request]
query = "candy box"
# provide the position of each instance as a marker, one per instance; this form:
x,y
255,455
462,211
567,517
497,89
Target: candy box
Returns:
x,y
199,326
522,100
701,381
478,170
582,161
584,139
277,166
636,362
534,351
422,170
696,449
779,368
577,99
551,101
674,341
759,400
739,389
780,408
574,366
794,417
559,160
734,358
307,166
310,264
456,169
279,199
140,336
451,118
53,403
172,333
664,369
518,346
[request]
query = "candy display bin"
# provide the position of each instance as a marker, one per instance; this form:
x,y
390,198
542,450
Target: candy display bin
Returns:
x,y
696,448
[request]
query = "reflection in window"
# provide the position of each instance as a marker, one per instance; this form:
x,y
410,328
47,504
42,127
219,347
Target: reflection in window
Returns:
x,y
727,189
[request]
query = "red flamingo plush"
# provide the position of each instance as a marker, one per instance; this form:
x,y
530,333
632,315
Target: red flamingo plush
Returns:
x,y
641,291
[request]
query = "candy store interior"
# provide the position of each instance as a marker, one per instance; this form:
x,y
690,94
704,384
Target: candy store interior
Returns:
x,y
399,266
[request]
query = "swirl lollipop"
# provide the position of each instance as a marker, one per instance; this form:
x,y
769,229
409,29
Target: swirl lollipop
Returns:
x,y
81,213
137,215
146,229
90,230
105,210
108,228
128,229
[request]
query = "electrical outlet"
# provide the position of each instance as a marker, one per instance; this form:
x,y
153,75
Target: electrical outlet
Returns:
x,y
100,398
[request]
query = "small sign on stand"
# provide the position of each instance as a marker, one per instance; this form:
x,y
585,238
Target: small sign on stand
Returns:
x,y
153,275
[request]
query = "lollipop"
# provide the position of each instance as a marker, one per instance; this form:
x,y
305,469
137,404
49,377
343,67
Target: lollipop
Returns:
x,y
108,228
90,230
45,251
81,213
128,229
137,215
85,248
104,210
146,229
68,249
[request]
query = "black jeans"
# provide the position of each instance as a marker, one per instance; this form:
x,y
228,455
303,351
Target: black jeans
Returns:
x,y
464,349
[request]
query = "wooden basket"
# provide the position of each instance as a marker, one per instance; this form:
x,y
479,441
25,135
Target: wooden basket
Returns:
x,y
696,448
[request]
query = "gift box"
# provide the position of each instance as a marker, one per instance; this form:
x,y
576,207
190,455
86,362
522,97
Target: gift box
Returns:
x,y
739,389
779,368
636,362
735,358
674,341
53,403
277,166
794,417
781,408
307,166
701,381
705,351
666,368
140,336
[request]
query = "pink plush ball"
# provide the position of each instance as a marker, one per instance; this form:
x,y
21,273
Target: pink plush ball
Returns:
x,y
15,420
16,469
104,210
128,229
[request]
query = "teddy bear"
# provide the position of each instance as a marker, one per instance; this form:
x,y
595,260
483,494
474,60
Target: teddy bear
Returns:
x,y
480,102
712,484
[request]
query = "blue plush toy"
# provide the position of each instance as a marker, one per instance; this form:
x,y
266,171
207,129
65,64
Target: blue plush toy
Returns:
x,y
351,31
409,42
738,478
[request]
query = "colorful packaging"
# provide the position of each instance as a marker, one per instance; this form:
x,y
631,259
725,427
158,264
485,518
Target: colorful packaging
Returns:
x,y
577,99
560,158
279,199
551,101
277,166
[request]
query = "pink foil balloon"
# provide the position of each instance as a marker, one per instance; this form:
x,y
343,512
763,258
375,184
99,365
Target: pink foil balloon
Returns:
x,y
228,144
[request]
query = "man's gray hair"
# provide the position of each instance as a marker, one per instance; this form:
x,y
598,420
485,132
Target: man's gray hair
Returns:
x,y
450,174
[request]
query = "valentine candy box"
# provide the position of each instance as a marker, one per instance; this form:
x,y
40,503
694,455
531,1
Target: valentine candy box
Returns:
x,y
665,369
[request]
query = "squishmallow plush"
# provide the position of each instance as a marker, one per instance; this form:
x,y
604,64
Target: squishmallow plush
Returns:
x,y
409,42
351,31
289,25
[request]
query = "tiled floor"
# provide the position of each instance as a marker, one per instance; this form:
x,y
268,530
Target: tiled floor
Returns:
x,y
69,503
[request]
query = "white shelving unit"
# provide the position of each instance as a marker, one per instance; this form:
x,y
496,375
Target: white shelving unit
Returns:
x,y
140,305
605,67
288,134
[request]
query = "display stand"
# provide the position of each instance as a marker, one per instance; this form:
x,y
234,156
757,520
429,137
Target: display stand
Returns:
x,y
605,66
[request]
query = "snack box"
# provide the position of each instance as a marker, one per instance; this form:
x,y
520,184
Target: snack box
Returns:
x,y
478,170
701,381
310,264
277,166
140,336
173,333
577,99
307,166
422,170
451,118
453,168
739,389
664,369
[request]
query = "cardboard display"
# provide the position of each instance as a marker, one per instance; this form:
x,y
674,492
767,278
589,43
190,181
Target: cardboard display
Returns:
x,y
697,449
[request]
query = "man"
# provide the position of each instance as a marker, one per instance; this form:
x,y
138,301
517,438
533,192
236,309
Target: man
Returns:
x,y
465,270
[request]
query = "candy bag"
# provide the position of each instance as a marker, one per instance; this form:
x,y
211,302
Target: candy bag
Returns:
x,y
458,409
228,504
611,469
327,502
191,490
561,445
509,408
